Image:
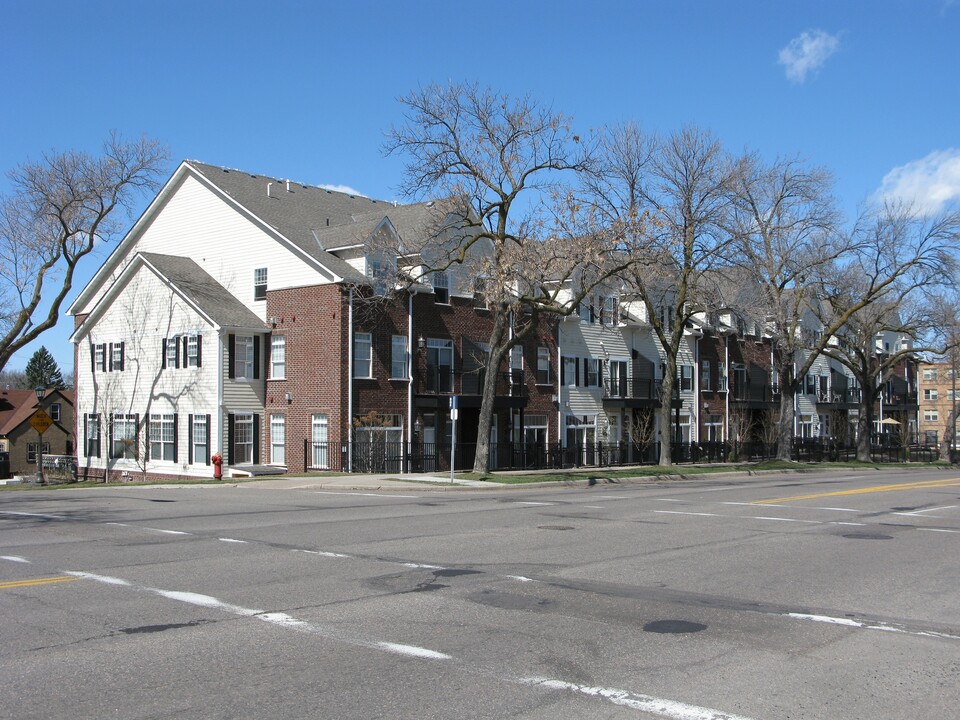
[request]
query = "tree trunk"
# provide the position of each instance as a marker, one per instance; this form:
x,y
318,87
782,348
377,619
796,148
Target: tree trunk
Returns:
x,y
665,412
498,350
868,394
949,437
788,391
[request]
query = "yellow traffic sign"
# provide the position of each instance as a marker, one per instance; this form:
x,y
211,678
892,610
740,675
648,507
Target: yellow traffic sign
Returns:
x,y
41,421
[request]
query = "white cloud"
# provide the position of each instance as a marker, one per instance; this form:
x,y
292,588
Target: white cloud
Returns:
x,y
807,53
929,183
343,189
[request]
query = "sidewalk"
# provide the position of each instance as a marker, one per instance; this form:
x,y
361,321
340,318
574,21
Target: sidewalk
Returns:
x,y
356,482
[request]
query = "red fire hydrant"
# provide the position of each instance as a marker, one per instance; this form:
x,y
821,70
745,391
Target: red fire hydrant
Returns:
x,y
217,461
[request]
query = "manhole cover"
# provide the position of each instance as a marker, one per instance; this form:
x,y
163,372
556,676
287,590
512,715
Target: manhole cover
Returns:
x,y
867,536
674,627
555,527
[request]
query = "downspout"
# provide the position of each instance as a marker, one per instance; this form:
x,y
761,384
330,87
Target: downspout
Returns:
x,y
408,445
559,385
697,401
219,449
726,385
350,384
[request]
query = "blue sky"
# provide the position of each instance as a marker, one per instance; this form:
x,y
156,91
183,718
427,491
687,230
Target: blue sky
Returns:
x,y
305,90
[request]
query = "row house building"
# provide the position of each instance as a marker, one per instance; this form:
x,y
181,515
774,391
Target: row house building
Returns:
x,y
240,320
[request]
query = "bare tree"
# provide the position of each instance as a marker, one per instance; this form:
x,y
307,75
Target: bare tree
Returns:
x,y
59,210
506,215
899,259
785,226
674,191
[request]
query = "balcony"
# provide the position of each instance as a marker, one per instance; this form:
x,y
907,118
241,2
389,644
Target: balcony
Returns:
x,y
631,392
746,392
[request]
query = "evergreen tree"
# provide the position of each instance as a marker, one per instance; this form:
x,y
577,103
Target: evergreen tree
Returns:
x,y
42,370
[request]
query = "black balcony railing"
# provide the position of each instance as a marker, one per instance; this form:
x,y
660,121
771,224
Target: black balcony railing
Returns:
x,y
631,388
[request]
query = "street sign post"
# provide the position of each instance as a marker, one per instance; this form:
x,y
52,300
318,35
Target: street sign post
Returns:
x,y
41,422
454,413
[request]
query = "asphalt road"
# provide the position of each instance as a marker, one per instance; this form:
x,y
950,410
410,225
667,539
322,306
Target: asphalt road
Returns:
x,y
827,595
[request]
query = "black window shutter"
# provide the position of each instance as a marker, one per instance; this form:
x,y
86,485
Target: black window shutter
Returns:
x,y
146,440
176,438
586,372
209,444
163,354
576,379
230,421
563,365
199,349
86,435
190,439
231,349
136,442
93,358
99,433
256,357
122,357
186,344
177,359
256,437
109,358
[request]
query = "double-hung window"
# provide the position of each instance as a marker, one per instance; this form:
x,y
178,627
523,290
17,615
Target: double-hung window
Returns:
x,y
705,375
362,355
260,284
686,377
163,436
243,361
278,357
398,357
124,440
543,366
441,287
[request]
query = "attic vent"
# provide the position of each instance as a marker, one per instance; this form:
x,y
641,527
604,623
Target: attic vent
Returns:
x,y
288,186
269,185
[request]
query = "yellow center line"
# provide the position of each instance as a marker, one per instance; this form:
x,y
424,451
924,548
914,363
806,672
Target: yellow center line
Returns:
x,y
32,582
916,485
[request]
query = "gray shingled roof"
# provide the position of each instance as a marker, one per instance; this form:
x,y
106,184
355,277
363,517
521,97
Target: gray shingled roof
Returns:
x,y
203,291
301,213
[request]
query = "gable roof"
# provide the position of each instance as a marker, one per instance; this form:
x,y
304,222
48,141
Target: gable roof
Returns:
x,y
191,282
307,218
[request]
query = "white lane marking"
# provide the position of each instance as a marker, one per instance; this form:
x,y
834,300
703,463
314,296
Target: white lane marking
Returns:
x,y
207,601
168,532
595,507
677,512
798,507
322,553
413,651
621,497
421,566
779,519
884,627
360,494
838,522
14,558
644,703
943,530
520,578
284,620
919,512
531,502
231,540
117,524
35,515
106,579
